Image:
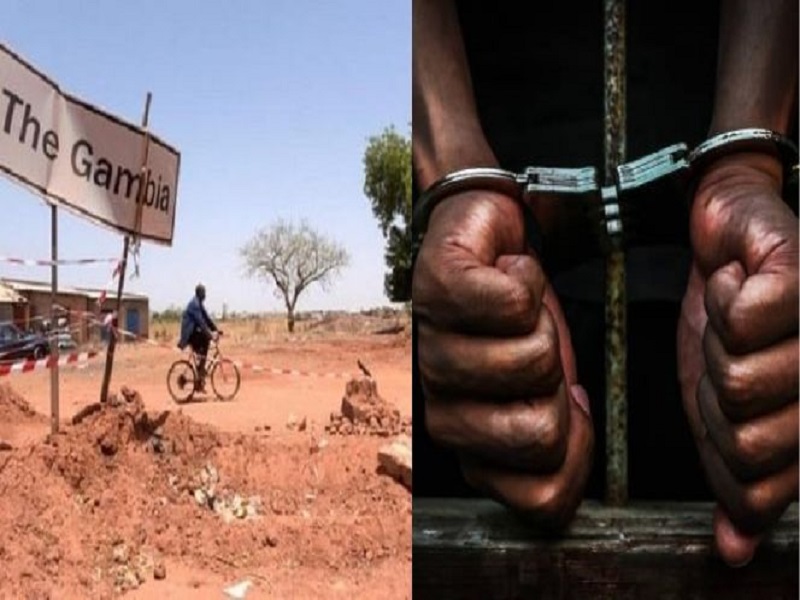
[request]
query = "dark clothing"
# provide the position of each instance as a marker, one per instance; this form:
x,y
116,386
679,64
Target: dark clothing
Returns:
x,y
199,342
196,328
537,71
195,319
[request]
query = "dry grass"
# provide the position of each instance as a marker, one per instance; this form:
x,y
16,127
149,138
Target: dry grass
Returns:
x,y
272,328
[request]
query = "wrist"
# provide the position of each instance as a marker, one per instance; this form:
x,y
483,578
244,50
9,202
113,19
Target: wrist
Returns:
x,y
433,161
744,157
742,168
445,148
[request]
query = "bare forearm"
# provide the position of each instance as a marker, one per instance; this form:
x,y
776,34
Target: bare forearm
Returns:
x,y
447,132
757,65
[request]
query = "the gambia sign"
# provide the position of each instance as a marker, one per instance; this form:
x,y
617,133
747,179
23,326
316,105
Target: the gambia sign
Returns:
x,y
82,157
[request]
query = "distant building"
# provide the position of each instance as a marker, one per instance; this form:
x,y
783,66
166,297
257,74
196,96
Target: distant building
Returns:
x,y
13,306
28,304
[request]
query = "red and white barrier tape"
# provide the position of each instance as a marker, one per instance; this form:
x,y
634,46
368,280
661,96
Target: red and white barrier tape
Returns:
x,y
292,372
26,366
103,294
29,262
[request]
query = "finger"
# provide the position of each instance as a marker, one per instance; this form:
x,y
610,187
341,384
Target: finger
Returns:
x,y
750,313
527,435
461,280
454,365
566,352
754,448
455,291
735,547
550,500
752,506
754,384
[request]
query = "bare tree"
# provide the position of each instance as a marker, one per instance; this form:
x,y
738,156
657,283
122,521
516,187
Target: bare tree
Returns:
x,y
293,257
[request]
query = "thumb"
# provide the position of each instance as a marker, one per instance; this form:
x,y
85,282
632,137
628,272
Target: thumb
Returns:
x,y
581,398
735,547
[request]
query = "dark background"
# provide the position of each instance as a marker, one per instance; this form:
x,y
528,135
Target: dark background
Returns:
x,y
537,72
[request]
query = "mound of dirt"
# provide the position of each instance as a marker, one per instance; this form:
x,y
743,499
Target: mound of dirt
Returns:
x,y
13,407
104,505
365,412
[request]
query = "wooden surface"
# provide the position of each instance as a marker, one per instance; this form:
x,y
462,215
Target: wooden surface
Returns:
x,y
478,549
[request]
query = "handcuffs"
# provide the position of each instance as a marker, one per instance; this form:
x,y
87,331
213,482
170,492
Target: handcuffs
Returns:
x,y
638,208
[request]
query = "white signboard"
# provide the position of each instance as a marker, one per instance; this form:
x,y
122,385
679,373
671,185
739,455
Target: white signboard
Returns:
x,y
82,157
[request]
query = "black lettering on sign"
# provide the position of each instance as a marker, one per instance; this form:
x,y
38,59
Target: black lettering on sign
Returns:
x,y
102,175
30,127
13,102
163,199
119,180
82,168
130,178
50,144
29,120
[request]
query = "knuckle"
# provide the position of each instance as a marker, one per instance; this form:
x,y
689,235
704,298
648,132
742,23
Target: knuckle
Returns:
x,y
552,434
545,360
756,505
747,450
735,385
540,437
551,505
520,304
734,327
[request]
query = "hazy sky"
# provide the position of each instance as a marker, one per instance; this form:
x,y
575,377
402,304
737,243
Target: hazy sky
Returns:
x,y
270,104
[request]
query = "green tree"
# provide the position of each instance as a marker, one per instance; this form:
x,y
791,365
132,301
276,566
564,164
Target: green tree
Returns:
x,y
292,258
387,185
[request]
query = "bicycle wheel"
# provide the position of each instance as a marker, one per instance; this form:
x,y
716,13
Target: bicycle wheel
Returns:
x,y
225,379
181,380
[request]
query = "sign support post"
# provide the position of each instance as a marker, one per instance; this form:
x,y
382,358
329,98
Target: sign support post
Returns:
x,y
112,339
53,359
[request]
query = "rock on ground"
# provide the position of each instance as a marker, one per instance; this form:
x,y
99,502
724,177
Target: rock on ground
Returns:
x,y
395,458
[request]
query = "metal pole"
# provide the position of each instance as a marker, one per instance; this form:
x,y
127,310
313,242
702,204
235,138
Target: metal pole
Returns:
x,y
112,340
53,359
616,341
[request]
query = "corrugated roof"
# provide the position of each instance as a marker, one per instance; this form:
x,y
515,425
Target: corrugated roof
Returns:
x,y
24,285
9,296
94,294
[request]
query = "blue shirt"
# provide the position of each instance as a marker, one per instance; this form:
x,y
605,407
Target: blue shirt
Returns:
x,y
194,317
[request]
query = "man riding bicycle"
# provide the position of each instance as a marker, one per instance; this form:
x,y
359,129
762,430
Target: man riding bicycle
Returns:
x,y
197,331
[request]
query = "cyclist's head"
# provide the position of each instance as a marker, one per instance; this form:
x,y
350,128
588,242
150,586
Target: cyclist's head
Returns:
x,y
200,291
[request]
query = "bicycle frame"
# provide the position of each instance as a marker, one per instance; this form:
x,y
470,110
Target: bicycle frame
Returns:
x,y
213,356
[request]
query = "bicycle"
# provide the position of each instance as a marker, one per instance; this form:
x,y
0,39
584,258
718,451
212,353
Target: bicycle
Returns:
x,y
183,376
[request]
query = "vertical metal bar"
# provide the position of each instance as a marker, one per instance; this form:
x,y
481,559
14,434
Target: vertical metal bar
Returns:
x,y
53,358
112,340
616,343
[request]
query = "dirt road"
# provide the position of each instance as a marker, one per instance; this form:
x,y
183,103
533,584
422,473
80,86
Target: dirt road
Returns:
x,y
105,506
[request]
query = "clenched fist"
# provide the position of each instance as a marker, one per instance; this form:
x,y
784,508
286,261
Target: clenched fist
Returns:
x,y
496,360
738,348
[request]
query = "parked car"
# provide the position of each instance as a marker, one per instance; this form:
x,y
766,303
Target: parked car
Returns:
x,y
65,340
16,345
